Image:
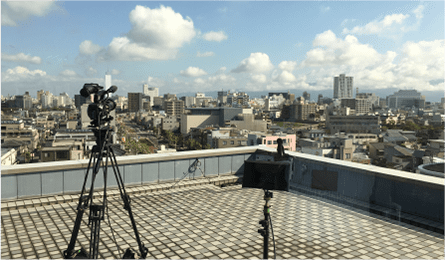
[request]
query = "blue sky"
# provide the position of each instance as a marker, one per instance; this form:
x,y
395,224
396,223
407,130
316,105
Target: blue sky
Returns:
x,y
184,47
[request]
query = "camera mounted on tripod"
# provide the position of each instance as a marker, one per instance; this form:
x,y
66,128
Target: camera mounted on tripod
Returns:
x,y
99,110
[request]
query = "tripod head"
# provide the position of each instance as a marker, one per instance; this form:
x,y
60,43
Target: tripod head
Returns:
x,y
267,194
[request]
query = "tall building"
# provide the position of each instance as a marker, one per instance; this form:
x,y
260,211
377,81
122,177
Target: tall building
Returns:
x,y
373,99
107,80
306,96
150,92
302,112
222,97
134,102
23,101
342,87
174,107
39,94
405,98
79,100
47,99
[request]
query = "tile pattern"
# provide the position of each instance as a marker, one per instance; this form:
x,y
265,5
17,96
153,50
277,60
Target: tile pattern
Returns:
x,y
211,222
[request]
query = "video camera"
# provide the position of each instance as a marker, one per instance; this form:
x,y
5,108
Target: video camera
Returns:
x,y
99,111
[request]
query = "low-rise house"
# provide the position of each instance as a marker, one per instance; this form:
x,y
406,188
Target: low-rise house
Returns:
x,y
270,140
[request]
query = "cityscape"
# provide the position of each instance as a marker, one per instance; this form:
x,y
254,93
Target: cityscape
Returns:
x,y
400,131
183,100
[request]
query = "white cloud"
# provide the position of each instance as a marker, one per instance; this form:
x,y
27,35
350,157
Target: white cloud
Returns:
x,y
391,26
155,82
257,63
376,27
222,70
90,71
345,21
21,57
21,73
205,54
121,48
286,77
89,48
16,11
215,36
193,72
20,79
419,65
221,80
335,51
418,12
156,34
259,78
199,81
68,73
160,28
287,65
115,72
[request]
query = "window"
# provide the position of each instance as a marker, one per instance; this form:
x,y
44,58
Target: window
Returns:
x,y
274,141
269,142
46,155
348,156
224,142
239,142
232,142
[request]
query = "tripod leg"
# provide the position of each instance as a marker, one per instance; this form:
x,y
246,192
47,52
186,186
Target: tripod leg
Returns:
x,y
126,198
83,202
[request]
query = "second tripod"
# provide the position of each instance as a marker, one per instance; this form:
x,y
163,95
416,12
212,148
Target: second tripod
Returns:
x,y
102,150
265,223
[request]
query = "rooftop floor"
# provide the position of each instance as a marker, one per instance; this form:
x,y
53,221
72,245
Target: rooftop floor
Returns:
x,y
207,221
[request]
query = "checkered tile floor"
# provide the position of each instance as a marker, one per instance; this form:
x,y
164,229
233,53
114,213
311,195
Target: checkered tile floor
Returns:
x,y
211,222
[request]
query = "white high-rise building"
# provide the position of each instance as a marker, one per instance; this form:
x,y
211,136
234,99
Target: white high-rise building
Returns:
x,y
46,100
342,87
151,92
107,80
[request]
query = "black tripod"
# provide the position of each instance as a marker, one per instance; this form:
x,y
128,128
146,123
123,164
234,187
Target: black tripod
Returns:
x,y
265,223
101,150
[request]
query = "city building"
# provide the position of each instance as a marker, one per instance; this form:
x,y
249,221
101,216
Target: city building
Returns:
x,y
373,99
72,151
188,101
306,96
237,99
222,97
170,123
353,124
343,86
248,122
150,92
361,106
405,99
303,112
16,130
134,102
174,107
107,80
79,100
270,140
206,116
23,101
